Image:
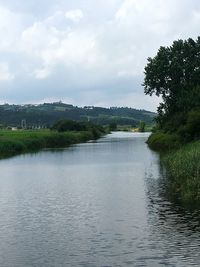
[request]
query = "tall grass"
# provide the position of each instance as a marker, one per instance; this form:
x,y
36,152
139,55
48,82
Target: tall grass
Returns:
x,y
15,142
183,168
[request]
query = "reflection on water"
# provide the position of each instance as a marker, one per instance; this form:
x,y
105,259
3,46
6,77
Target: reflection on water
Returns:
x,y
174,228
102,203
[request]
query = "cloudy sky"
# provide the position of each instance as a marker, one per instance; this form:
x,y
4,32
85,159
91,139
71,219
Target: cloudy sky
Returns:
x,y
86,52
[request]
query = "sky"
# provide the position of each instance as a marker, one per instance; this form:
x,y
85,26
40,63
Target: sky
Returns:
x,y
87,52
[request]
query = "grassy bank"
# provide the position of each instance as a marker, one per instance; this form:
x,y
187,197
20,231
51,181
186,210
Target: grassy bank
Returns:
x,y
183,168
16,142
182,163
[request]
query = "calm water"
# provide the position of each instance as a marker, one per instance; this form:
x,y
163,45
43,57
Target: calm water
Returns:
x,y
94,204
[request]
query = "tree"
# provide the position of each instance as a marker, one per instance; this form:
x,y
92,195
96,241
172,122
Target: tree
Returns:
x,y
113,126
69,125
174,74
142,126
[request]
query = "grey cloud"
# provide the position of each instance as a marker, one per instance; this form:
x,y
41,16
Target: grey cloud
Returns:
x,y
98,59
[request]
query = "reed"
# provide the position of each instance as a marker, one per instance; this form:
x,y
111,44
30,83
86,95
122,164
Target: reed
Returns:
x,y
183,169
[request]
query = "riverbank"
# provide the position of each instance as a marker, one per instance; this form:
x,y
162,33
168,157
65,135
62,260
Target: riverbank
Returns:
x,y
182,163
17,142
183,167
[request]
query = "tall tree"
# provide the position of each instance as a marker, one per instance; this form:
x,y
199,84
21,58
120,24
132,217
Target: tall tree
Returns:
x,y
174,74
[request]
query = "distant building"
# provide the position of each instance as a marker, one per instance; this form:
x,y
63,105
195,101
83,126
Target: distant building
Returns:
x,y
14,128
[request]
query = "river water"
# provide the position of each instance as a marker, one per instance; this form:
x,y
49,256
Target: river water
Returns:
x,y
95,204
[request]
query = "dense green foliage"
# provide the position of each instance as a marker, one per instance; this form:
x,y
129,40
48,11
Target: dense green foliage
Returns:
x,y
142,126
183,167
113,126
69,125
45,115
15,142
174,74
163,141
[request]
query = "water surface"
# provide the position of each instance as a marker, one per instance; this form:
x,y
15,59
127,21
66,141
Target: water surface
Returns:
x,y
95,204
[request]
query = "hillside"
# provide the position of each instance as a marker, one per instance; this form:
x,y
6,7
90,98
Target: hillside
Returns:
x,y
44,115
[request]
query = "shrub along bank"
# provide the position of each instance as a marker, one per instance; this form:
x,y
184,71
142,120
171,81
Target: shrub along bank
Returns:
x,y
161,141
182,163
16,142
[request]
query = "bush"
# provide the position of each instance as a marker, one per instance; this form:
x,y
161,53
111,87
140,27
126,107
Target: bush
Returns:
x,y
11,146
193,123
163,141
142,126
191,129
69,125
113,126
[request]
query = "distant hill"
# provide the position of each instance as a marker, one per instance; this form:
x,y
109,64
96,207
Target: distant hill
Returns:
x,y
45,115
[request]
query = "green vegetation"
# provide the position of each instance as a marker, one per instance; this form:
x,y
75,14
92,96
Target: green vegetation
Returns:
x,y
149,128
163,141
174,74
21,141
69,125
131,128
142,126
183,168
113,126
45,115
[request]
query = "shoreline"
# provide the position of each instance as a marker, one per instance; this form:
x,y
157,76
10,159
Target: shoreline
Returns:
x,y
21,142
182,164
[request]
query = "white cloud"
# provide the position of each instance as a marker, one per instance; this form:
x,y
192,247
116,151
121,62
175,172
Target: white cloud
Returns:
x,y
42,73
51,46
74,15
5,74
106,52
10,27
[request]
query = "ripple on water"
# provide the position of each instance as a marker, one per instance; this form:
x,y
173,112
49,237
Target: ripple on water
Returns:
x,y
97,204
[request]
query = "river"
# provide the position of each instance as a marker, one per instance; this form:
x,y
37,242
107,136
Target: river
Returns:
x,y
100,203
